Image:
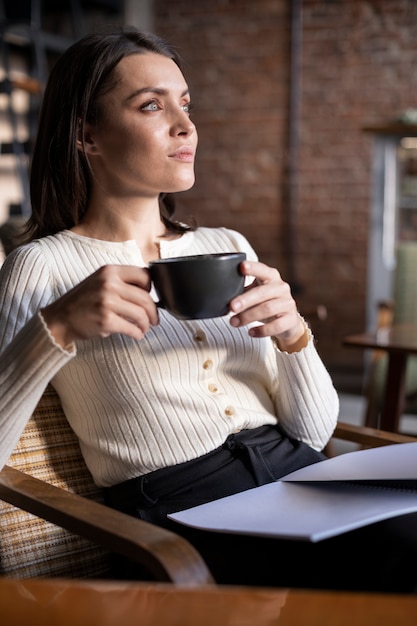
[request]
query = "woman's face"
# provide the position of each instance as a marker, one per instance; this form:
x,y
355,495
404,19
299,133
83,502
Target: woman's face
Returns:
x,y
144,142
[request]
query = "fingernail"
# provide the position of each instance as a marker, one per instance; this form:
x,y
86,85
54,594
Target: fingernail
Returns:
x,y
236,305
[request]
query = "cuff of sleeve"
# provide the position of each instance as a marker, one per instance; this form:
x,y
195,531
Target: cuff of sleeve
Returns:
x,y
307,333
72,349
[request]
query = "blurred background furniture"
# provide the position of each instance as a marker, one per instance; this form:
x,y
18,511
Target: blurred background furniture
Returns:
x,y
367,437
27,46
393,348
33,33
391,374
10,232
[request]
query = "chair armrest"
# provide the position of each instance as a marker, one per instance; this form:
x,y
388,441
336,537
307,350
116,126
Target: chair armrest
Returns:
x,y
168,556
366,436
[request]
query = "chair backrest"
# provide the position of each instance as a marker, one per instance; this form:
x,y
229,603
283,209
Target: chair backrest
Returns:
x,y
29,546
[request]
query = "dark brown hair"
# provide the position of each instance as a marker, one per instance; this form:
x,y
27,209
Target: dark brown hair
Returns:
x,y
60,174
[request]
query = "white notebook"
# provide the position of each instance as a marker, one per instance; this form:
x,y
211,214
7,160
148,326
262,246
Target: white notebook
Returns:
x,y
319,501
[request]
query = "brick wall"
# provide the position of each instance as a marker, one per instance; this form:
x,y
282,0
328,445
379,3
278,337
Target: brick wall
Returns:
x,y
358,68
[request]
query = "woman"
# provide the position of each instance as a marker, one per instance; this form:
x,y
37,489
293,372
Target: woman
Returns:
x,y
169,414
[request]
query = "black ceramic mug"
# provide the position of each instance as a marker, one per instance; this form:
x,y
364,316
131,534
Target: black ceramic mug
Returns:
x,y
199,286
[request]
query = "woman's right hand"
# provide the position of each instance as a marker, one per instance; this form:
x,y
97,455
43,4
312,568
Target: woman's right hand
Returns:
x,y
114,299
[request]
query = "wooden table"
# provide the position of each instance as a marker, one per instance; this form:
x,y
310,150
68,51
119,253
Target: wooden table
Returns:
x,y
399,341
76,603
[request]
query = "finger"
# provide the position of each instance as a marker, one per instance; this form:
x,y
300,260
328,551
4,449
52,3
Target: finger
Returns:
x,y
143,315
125,290
262,272
138,276
124,326
112,276
267,285
265,312
262,301
275,326
133,301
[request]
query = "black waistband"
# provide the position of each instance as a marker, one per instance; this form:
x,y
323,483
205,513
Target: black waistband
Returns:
x,y
247,459
168,478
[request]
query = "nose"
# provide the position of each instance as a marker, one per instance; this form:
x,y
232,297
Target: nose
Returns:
x,y
183,124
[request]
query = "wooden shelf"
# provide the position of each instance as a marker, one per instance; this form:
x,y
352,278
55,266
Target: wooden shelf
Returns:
x,y
396,128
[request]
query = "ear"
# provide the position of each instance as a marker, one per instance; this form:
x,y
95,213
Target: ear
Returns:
x,y
87,145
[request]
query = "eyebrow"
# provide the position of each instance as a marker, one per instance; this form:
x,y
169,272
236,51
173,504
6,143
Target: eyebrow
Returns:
x,y
156,90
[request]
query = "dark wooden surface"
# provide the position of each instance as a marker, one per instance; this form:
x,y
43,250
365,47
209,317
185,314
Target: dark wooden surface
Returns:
x,y
65,603
399,342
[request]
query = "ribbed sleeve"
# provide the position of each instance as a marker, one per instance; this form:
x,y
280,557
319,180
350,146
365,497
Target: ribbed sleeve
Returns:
x,y
27,365
307,401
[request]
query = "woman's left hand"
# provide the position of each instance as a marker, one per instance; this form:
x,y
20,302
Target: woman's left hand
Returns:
x,y
269,300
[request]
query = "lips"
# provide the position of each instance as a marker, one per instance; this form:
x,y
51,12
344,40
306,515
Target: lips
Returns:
x,y
186,153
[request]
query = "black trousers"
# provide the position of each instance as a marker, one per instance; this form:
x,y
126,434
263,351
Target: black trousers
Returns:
x,y
379,557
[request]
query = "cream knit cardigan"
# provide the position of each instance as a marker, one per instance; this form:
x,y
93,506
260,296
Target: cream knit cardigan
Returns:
x,y
137,406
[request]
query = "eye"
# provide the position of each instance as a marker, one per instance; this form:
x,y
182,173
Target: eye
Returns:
x,y
187,107
150,106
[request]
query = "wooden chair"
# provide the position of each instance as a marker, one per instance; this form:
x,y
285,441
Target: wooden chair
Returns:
x,y
366,437
53,522
401,309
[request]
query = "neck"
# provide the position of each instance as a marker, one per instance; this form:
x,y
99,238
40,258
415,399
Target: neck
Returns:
x,y
141,223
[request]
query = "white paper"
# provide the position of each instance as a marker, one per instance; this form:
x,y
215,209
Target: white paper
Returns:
x,y
394,462
315,502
